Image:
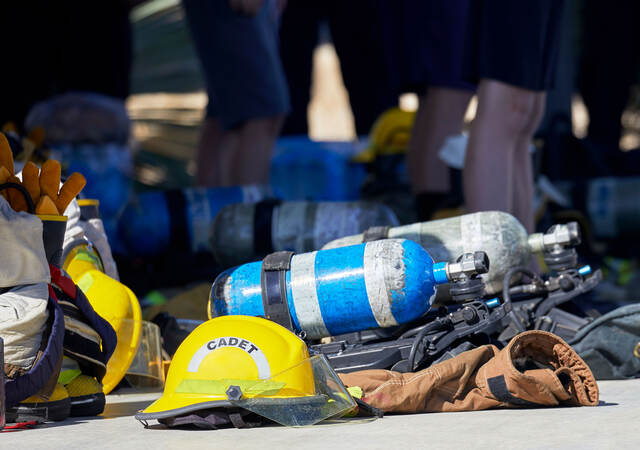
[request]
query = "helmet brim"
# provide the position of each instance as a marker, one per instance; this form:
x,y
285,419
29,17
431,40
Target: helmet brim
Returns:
x,y
330,399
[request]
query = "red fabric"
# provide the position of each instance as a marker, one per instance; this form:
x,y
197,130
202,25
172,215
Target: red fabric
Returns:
x,y
62,281
19,426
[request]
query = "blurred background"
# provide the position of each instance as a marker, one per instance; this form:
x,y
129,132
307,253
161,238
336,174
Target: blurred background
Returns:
x,y
356,78
168,99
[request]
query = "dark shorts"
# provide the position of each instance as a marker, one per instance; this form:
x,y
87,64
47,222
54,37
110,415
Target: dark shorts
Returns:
x,y
428,38
514,41
240,61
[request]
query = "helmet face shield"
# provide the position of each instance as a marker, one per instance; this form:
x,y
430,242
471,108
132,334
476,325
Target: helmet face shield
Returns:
x,y
146,369
293,408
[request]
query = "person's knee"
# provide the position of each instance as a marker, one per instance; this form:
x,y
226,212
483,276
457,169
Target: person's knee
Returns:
x,y
521,114
516,111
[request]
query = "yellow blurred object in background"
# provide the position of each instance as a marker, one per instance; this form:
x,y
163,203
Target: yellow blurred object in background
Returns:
x,y
389,135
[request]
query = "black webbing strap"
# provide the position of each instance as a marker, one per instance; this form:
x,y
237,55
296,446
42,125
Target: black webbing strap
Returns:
x,y
177,206
210,420
310,213
88,212
238,421
262,223
375,234
274,288
498,388
366,410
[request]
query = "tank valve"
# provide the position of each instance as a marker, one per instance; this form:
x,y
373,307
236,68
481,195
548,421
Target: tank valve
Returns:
x,y
464,276
559,236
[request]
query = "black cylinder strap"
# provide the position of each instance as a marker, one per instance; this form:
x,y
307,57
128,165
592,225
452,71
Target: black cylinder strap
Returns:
x,y
274,288
262,223
375,234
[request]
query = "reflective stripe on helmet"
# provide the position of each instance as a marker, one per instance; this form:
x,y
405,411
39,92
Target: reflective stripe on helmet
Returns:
x,y
264,370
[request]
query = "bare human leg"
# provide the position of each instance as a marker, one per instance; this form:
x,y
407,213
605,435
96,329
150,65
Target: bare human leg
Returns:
x,y
523,170
503,118
440,115
251,159
215,147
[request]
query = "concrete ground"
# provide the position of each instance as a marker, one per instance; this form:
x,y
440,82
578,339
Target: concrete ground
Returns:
x,y
614,424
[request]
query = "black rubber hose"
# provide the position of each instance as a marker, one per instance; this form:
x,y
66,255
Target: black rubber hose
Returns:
x,y
30,206
506,295
427,328
413,331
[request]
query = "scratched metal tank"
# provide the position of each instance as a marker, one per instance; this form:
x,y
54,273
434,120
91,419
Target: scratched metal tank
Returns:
x,y
498,234
247,232
329,292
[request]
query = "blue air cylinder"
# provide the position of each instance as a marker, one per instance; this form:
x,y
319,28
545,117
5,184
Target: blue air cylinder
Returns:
x,y
179,220
330,292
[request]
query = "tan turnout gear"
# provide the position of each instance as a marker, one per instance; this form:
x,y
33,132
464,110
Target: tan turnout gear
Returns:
x,y
536,369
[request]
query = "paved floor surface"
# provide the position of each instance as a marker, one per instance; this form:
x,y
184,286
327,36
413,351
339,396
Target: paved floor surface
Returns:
x,y
613,424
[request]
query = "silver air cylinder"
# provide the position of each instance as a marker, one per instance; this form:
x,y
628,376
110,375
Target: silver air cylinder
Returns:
x,y
498,234
248,232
